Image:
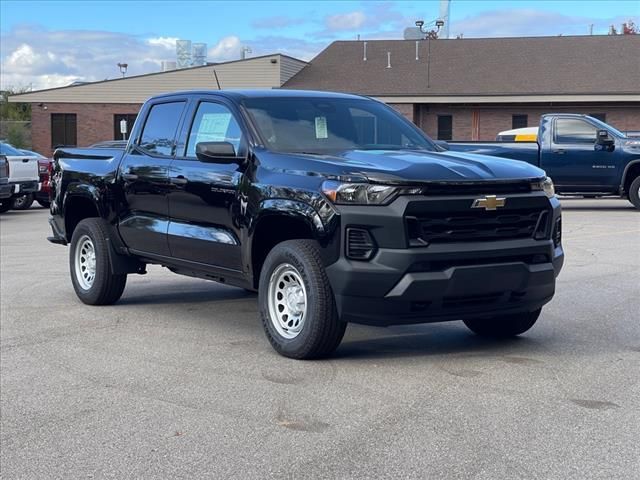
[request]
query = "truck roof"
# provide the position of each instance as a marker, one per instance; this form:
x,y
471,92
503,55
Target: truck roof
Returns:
x,y
265,93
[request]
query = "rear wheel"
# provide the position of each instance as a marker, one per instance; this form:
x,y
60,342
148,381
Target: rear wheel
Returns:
x,y
23,202
44,203
296,302
634,193
504,325
91,272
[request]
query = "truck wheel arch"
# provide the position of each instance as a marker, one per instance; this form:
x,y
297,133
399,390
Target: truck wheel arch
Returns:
x,y
631,172
77,208
280,221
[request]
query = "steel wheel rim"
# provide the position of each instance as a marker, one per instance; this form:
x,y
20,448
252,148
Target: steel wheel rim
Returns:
x,y
287,298
85,262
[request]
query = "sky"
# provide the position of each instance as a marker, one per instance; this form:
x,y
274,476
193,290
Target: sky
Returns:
x,y
50,43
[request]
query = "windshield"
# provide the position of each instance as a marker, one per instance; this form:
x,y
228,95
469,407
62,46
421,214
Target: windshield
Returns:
x,y
6,149
606,126
325,125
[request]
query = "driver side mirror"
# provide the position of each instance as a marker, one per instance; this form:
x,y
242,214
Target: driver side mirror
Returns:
x,y
603,139
216,152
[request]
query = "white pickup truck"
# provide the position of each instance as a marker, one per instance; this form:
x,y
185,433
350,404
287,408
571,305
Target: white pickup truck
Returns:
x,y
23,176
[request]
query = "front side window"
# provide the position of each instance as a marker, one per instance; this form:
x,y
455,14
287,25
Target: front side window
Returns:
x,y
160,128
324,125
213,123
571,130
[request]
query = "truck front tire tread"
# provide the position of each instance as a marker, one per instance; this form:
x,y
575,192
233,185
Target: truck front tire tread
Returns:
x,y
323,330
634,193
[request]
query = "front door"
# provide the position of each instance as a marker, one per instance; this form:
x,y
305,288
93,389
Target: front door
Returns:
x,y
573,161
204,199
144,176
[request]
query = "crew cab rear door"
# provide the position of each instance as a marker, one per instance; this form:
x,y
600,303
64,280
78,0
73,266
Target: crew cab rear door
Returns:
x,y
204,201
144,177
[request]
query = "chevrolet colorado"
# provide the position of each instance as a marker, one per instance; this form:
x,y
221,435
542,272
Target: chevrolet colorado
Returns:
x,y
582,154
333,207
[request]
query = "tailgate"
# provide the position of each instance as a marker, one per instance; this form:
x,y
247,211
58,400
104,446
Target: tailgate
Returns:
x,y
23,169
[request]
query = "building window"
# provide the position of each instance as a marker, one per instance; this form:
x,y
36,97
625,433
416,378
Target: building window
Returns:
x,y
519,121
445,127
64,130
130,118
600,116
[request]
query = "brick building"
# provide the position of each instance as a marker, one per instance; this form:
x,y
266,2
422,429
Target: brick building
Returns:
x,y
471,89
79,115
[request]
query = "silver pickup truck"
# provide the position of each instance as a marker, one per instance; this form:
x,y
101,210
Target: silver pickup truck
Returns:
x,y
23,176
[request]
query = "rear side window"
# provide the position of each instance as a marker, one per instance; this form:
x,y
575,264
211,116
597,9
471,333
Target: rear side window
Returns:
x,y
160,128
570,130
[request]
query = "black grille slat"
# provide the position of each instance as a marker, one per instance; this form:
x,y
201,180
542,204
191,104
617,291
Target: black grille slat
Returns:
x,y
475,225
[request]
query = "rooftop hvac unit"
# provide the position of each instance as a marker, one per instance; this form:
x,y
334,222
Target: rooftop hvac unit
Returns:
x,y
183,53
199,54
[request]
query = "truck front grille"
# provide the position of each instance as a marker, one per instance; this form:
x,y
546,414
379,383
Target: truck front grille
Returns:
x,y
472,225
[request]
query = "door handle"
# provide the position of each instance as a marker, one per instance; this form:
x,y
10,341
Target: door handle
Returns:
x,y
129,177
559,151
179,180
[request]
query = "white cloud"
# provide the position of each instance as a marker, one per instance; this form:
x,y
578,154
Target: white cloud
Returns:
x,y
167,42
345,21
228,48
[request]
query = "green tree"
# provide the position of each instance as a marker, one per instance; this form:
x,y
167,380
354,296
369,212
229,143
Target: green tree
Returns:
x,y
14,111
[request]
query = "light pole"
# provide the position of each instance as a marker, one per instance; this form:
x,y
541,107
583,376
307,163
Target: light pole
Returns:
x,y
123,68
430,34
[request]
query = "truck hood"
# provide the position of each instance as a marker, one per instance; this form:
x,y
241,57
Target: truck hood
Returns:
x,y
412,166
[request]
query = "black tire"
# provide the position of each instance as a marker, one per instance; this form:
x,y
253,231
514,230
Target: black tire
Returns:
x,y
23,202
321,331
634,193
505,325
44,203
5,205
106,287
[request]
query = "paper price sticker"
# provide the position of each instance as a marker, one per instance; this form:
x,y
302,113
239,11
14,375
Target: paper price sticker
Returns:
x,y
321,127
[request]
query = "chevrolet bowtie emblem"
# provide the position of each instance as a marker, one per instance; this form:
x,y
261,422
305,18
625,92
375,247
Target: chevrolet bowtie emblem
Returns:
x,y
490,202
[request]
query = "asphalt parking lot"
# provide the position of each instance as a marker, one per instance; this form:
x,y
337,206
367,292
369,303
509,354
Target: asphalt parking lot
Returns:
x,y
178,381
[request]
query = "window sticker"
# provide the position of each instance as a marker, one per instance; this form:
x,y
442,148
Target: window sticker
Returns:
x,y
213,127
321,127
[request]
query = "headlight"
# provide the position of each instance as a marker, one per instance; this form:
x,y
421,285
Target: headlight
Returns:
x,y
546,185
362,193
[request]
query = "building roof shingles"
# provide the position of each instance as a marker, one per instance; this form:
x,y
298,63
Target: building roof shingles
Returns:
x,y
487,66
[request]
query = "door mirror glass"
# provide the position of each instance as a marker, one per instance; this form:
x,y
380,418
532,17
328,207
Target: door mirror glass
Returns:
x,y
221,152
604,141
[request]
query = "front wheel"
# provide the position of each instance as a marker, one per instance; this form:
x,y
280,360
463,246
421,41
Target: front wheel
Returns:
x,y
297,307
504,325
23,202
5,205
634,193
91,272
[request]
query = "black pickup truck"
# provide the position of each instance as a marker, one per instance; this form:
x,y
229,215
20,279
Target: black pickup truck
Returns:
x,y
334,207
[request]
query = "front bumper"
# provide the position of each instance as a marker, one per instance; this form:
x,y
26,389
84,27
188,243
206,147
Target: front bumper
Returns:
x,y
447,281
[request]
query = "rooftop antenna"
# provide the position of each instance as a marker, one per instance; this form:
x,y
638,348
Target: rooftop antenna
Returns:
x,y
244,52
123,68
